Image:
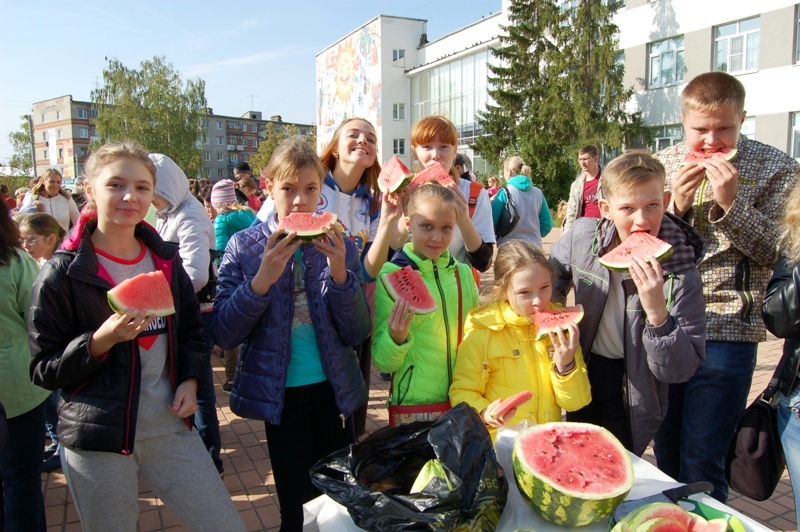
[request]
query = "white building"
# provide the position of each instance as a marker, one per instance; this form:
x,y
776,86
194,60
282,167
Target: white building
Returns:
x,y
387,72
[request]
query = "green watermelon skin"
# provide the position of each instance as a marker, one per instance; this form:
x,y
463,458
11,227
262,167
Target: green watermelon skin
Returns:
x,y
394,176
146,291
557,504
309,225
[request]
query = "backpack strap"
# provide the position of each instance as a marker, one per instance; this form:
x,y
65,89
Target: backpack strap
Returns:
x,y
474,191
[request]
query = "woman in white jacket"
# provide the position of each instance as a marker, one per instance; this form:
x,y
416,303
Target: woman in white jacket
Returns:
x,y
57,202
182,219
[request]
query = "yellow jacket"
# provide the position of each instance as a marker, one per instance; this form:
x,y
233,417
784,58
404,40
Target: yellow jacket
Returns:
x,y
499,356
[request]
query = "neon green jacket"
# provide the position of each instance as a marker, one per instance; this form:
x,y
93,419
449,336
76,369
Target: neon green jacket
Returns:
x,y
420,365
515,361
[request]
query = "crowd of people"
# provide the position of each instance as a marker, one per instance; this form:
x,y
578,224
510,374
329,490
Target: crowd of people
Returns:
x,y
665,353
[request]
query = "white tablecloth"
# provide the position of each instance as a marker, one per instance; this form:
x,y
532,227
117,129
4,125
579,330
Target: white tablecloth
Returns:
x,y
326,515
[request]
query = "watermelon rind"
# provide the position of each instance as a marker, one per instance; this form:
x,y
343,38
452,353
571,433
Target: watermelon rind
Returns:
x,y
659,509
394,169
575,313
556,503
728,155
661,524
120,307
513,401
421,305
661,253
325,220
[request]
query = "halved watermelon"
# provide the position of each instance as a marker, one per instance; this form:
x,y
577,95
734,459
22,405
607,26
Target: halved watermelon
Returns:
x,y
407,284
640,243
656,510
394,176
146,291
547,321
698,156
308,225
572,474
506,405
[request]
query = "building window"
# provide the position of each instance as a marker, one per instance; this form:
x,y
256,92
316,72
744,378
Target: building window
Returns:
x,y
61,153
219,124
666,136
567,8
399,146
204,123
398,57
82,152
45,154
736,46
220,141
666,62
749,128
252,128
796,135
220,156
399,111
44,136
219,172
44,118
246,157
58,133
206,156
206,140
82,113
208,172
83,133
58,115
232,158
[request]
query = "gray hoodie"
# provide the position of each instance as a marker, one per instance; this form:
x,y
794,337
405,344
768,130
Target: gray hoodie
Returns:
x,y
184,220
654,356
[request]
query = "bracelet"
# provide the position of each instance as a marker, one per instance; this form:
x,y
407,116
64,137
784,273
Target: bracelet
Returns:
x,y
567,370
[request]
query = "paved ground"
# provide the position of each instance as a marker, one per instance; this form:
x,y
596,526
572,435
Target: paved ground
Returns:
x,y
248,473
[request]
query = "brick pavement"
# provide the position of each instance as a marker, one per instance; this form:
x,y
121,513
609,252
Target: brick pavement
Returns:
x,y
248,474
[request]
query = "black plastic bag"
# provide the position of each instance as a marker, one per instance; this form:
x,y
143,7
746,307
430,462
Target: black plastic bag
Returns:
x,y
375,476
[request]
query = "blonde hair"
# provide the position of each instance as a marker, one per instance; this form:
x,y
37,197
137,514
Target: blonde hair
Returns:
x,y
431,127
631,169
512,257
43,225
526,170
289,158
248,182
514,164
493,178
39,187
428,192
118,150
370,175
790,238
561,212
711,91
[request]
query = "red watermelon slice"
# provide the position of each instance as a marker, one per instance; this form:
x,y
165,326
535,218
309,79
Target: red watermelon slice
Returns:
x,y
308,225
547,321
698,156
146,291
434,172
407,284
394,176
639,244
506,405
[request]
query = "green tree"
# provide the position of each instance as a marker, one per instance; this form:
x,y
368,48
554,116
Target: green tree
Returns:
x,y
274,134
21,161
154,107
555,86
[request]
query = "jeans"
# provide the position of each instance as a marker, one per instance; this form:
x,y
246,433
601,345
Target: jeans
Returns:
x,y
693,440
51,416
789,428
205,419
21,498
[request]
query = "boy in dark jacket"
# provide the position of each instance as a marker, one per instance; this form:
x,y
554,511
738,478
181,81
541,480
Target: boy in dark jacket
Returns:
x,y
644,328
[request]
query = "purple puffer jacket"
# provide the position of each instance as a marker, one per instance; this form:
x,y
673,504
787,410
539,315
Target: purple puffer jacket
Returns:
x,y
263,325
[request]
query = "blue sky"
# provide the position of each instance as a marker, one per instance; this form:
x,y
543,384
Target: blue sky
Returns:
x,y
261,48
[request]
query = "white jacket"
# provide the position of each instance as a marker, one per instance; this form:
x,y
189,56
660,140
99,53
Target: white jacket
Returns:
x,y
59,207
184,220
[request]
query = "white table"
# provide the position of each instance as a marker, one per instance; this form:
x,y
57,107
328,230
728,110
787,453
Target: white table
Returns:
x,y
326,515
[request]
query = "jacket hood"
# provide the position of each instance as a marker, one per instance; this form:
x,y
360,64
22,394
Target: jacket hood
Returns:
x,y
495,316
171,183
688,245
521,182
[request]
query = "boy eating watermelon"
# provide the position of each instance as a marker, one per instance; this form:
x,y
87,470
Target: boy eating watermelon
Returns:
x,y
644,328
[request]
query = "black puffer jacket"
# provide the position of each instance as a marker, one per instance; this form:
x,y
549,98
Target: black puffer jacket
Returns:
x,y
781,313
99,398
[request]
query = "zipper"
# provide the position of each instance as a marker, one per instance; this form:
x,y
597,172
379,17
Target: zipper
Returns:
x,y
341,416
401,396
446,323
700,200
127,451
535,364
626,383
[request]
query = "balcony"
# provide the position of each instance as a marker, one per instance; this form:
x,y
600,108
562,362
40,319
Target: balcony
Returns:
x,y
239,147
231,147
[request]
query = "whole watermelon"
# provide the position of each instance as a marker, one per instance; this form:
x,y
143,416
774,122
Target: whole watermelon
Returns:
x,y
572,474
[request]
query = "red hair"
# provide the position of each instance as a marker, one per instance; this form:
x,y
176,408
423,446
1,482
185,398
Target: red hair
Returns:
x,y
431,127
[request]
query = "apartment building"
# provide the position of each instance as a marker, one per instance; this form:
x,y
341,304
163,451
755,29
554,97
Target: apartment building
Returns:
x,y
663,44
63,129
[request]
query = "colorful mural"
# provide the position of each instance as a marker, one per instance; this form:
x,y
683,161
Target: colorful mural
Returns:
x,y
349,81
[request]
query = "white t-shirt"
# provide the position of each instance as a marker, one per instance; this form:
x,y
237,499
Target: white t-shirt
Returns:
x,y
481,219
608,341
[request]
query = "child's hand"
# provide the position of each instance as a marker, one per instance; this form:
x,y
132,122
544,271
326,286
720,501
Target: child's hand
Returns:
x,y
399,320
491,419
724,179
649,280
565,344
684,185
276,255
185,402
391,211
334,249
119,328
462,203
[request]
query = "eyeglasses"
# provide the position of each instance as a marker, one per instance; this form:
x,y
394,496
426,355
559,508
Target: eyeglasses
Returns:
x,y
29,241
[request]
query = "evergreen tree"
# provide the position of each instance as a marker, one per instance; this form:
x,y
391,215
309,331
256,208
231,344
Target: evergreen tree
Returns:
x,y
154,107
21,161
555,86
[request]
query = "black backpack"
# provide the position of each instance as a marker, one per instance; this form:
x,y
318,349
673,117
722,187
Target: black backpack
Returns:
x,y
509,216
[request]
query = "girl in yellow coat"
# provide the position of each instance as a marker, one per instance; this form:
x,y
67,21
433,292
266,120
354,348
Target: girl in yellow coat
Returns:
x,y
500,356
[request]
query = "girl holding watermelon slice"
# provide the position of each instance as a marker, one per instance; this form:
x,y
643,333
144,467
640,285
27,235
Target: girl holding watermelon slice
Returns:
x,y
297,310
501,356
128,382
